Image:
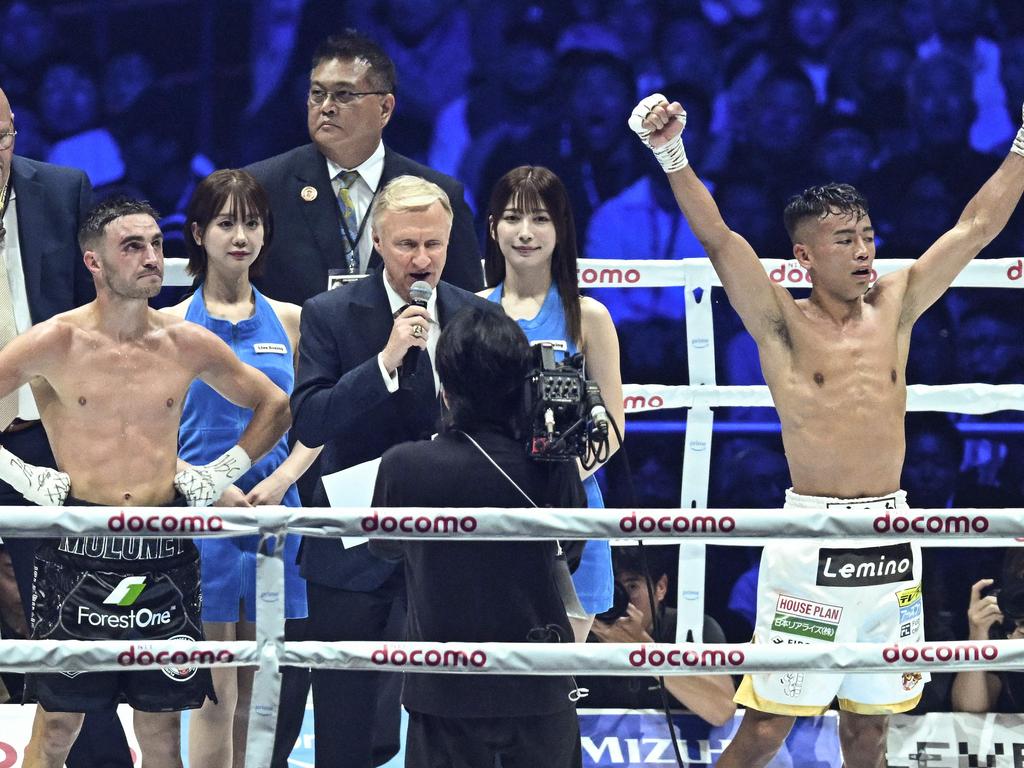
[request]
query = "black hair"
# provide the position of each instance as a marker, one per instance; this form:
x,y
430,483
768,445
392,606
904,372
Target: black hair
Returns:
x,y
105,212
818,202
246,196
530,188
349,45
659,561
483,359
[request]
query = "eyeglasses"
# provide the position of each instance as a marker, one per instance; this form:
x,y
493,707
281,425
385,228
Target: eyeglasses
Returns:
x,y
343,96
7,138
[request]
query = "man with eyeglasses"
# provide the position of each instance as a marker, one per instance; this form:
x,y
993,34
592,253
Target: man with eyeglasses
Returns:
x,y
320,193
320,196
41,274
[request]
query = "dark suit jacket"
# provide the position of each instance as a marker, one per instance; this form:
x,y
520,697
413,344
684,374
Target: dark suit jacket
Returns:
x,y
307,238
52,202
340,401
479,591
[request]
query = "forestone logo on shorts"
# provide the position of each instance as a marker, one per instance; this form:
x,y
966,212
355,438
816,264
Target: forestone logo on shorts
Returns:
x,y
123,595
865,567
806,618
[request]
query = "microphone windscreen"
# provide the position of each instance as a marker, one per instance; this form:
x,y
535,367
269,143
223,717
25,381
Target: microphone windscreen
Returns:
x,y
420,292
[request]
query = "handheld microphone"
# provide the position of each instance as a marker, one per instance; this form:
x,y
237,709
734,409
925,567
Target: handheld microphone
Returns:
x,y
419,295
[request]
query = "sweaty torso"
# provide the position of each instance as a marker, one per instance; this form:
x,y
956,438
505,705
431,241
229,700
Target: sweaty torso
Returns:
x,y
111,410
840,391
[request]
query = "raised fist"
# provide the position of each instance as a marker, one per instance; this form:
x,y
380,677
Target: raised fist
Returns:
x,y
655,120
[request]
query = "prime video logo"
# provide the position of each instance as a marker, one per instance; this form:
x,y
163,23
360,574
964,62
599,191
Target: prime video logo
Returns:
x,y
127,591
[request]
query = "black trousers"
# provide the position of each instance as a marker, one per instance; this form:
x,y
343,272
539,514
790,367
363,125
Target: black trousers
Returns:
x,y
101,743
551,741
356,715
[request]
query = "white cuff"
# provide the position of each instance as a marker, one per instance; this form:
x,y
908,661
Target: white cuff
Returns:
x,y
390,380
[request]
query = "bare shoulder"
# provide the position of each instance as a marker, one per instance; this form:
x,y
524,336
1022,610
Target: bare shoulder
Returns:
x,y
287,313
593,311
178,310
190,338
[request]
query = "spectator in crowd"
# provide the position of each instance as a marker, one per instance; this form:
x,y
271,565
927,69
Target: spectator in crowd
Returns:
x,y
989,349
509,96
530,260
961,31
643,222
995,612
585,149
28,38
707,696
808,29
474,592
352,398
41,208
228,223
429,42
321,192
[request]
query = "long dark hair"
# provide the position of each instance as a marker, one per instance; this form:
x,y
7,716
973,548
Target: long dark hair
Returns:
x,y
531,188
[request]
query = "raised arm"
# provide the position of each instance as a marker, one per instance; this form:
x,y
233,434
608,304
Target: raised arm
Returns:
x,y
981,221
752,294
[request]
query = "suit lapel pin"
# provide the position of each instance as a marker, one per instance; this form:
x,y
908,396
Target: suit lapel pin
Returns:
x,y
308,194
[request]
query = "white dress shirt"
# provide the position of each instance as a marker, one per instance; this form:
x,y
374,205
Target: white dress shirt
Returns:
x,y
10,251
362,193
433,332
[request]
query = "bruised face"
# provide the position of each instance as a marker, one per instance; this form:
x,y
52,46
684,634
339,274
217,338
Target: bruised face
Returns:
x,y
838,250
129,260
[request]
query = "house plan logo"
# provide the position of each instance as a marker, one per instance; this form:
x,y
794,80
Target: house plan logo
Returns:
x,y
127,591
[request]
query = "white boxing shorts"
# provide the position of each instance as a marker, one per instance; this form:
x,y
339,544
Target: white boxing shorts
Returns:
x,y
839,591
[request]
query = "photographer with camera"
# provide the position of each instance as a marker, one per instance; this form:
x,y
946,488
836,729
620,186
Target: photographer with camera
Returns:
x,y
630,620
530,262
483,591
993,614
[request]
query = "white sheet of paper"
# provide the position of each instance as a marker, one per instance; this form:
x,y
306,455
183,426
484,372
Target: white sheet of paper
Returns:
x,y
352,487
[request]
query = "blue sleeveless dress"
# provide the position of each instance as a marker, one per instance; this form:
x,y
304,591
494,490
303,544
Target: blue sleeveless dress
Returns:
x,y
210,425
593,578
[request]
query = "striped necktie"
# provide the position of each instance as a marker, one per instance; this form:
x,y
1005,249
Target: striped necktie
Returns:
x,y
350,223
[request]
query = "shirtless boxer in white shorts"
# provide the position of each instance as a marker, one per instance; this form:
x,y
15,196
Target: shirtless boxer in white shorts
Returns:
x,y
835,363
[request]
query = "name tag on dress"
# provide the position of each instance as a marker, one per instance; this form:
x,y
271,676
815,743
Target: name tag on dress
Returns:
x,y
268,348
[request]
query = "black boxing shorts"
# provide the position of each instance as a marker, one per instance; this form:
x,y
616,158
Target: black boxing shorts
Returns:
x,y
138,599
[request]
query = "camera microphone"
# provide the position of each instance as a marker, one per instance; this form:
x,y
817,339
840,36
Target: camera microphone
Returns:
x,y
596,409
419,295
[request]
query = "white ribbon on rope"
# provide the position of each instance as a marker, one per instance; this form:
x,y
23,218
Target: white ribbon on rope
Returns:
x,y
948,527
954,398
518,658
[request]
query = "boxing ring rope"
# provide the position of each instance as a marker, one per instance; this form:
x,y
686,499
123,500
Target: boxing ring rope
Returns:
x,y
269,651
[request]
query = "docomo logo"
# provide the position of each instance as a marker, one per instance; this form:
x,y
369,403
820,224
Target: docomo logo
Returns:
x,y
421,524
164,523
894,654
706,657
794,273
676,524
931,524
431,657
608,276
1016,271
642,402
131,658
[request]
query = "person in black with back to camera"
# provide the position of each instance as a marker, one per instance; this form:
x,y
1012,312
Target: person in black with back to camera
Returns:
x,y
482,591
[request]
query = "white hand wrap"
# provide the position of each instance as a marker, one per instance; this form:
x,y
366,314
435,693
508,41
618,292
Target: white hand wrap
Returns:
x,y
40,485
1018,143
671,155
201,486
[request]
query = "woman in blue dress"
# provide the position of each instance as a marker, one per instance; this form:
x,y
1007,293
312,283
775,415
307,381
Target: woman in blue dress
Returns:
x,y
530,259
228,224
